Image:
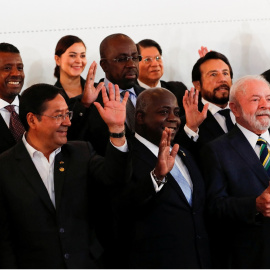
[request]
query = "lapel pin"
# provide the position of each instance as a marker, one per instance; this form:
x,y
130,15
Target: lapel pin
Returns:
x,y
61,162
61,169
183,153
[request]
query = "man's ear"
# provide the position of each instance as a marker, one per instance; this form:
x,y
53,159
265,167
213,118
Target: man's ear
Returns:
x,y
31,120
104,64
235,108
197,85
139,117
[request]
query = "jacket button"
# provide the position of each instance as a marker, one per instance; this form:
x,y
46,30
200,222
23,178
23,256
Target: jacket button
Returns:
x,y
67,256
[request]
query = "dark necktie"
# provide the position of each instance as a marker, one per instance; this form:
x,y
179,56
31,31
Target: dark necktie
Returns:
x,y
264,154
130,112
226,114
15,125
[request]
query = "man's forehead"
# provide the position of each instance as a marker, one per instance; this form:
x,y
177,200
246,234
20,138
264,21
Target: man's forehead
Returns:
x,y
7,57
213,65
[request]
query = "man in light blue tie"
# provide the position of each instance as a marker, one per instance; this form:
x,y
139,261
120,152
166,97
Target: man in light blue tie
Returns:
x,y
161,210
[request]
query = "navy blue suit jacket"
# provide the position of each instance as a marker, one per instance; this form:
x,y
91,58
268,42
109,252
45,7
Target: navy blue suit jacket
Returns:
x,y
234,178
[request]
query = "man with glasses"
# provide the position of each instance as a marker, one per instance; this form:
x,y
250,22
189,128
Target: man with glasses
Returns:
x,y
151,71
47,206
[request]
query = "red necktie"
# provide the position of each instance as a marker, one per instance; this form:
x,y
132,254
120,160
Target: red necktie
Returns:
x,y
15,125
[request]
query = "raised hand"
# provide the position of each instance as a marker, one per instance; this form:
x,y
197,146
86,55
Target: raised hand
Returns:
x,y
90,93
114,111
203,51
193,116
166,157
263,202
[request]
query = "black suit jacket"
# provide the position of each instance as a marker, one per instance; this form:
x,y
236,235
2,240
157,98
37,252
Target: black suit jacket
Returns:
x,y
208,131
161,230
235,177
33,234
6,138
88,125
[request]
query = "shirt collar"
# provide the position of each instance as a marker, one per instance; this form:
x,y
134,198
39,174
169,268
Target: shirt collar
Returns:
x,y
106,83
252,137
3,103
152,147
31,150
145,86
214,108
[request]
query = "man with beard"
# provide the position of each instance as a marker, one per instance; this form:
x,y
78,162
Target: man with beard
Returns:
x,y
236,170
11,83
211,117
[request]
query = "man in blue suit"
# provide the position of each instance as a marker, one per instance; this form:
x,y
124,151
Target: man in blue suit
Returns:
x,y
238,189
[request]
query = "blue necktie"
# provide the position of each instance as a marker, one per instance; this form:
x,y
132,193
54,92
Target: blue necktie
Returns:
x,y
228,120
182,182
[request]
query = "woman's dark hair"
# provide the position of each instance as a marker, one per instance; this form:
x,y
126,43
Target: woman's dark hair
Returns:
x,y
62,45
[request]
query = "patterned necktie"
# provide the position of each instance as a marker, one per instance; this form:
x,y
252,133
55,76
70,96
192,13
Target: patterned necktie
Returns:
x,y
226,114
182,182
15,125
264,154
130,112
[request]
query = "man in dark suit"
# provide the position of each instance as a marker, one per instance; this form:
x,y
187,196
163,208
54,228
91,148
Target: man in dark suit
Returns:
x,y
46,184
238,190
161,223
11,83
151,71
119,60
212,77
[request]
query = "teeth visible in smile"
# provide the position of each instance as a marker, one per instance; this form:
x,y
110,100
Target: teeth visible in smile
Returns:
x,y
13,82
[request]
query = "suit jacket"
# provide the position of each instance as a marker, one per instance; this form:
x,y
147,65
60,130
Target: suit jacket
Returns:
x,y
178,89
161,230
6,138
235,177
88,125
208,131
33,234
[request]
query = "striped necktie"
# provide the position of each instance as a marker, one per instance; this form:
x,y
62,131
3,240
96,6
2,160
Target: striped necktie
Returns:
x,y
264,154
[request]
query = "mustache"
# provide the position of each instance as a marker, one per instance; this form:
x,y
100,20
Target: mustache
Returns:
x,y
263,112
224,86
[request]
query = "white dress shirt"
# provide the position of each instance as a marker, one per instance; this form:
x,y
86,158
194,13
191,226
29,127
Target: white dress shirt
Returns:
x,y
253,138
179,163
4,112
44,167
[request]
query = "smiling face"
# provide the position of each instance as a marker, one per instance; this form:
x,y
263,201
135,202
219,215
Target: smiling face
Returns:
x,y
150,72
123,74
73,61
252,109
215,82
46,133
161,111
11,75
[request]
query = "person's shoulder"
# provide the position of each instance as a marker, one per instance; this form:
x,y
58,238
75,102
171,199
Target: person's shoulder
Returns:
x,y
77,147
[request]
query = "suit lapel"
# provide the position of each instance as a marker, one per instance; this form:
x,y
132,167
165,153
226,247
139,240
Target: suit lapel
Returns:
x,y
31,174
60,168
247,153
5,132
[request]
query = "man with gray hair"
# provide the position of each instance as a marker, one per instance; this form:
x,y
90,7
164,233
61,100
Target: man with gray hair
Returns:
x,y
236,169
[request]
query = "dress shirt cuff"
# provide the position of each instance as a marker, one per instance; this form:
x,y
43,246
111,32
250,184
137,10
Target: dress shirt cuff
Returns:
x,y
156,187
123,148
191,134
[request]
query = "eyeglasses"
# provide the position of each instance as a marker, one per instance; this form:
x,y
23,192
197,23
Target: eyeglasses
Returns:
x,y
124,59
149,60
60,117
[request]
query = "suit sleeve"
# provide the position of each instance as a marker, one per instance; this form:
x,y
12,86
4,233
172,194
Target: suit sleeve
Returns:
x,y
219,177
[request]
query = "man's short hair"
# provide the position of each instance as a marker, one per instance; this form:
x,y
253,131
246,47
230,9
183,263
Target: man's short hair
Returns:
x,y
9,48
196,72
34,100
146,43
